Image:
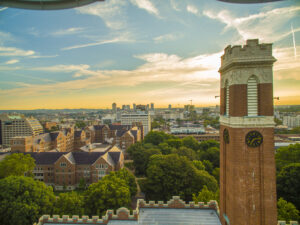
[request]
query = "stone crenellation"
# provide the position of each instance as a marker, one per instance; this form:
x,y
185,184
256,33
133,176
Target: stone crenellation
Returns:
x,y
176,202
252,49
124,213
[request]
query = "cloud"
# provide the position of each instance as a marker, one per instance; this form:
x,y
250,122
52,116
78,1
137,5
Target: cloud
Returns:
x,y
193,72
110,11
12,51
123,38
146,5
166,37
13,61
192,9
266,25
69,31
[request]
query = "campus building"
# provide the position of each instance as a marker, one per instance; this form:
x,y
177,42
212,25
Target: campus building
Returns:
x,y
64,170
142,117
17,125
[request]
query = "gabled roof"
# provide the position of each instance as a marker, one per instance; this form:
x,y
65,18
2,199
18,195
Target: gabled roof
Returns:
x,y
120,133
54,135
115,156
98,127
77,133
119,127
134,133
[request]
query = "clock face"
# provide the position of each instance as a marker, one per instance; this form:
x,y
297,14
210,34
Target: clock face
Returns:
x,y
226,136
254,139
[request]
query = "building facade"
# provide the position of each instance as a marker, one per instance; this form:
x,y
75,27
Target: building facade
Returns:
x,y
18,125
247,162
64,170
144,118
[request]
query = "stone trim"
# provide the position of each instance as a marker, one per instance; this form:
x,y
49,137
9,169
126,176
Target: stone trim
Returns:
x,y
247,121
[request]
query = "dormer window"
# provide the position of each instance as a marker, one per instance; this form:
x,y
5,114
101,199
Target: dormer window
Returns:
x,y
63,164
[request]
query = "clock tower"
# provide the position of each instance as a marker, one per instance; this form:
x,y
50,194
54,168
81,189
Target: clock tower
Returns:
x,y
247,161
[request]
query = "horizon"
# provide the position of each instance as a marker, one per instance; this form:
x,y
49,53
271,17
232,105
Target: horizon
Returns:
x,y
139,51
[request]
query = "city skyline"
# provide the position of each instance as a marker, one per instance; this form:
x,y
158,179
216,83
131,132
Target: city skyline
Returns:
x,y
138,51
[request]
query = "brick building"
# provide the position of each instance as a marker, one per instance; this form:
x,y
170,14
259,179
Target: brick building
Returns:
x,y
64,170
247,162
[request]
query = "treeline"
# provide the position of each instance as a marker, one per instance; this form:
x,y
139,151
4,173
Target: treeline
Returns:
x,y
174,166
23,200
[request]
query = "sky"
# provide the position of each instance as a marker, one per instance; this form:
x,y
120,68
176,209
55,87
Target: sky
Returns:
x,y
139,51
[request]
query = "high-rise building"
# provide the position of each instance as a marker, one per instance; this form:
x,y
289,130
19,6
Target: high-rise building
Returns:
x,y
114,107
144,118
247,161
18,125
123,107
134,107
152,106
170,106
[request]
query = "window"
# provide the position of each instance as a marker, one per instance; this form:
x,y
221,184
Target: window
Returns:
x,y
252,96
63,164
226,98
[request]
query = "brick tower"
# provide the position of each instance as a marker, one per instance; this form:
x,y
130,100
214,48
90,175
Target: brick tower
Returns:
x,y
247,162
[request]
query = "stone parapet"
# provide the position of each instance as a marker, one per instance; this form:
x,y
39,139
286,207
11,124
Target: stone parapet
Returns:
x,y
177,203
252,52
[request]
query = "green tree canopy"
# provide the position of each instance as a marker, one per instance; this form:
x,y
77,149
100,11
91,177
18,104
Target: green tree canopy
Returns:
x,y
175,142
199,165
205,195
205,145
129,178
288,183
70,203
23,200
16,164
170,175
155,137
111,192
287,211
184,151
287,155
190,142
212,154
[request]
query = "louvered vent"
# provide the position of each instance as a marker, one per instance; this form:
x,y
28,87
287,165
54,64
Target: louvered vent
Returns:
x,y
252,96
227,98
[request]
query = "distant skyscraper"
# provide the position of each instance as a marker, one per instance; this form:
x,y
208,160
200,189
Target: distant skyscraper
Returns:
x,y
134,107
127,107
152,106
114,107
18,125
123,107
170,106
147,108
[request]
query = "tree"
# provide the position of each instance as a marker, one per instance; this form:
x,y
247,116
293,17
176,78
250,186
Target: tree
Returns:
x,y
287,211
190,142
82,184
288,183
205,145
140,154
111,192
16,164
129,178
277,121
208,166
175,142
80,124
155,137
165,148
184,151
23,200
69,204
199,165
212,154
287,155
169,175
205,195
